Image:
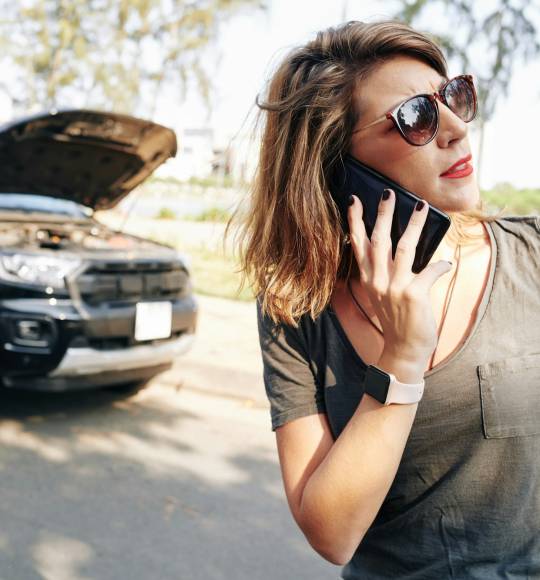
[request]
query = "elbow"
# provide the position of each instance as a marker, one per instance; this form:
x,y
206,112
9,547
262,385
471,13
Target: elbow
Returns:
x,y
337,551
335,545
335,559
333,555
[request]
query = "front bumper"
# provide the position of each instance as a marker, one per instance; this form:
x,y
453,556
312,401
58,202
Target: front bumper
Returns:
x,y
89,361
89,351
83,368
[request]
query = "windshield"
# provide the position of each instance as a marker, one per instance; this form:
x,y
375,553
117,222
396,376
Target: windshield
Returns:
x,y
42,204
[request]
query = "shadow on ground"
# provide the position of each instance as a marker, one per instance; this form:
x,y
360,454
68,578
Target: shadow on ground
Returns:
x,y
165,484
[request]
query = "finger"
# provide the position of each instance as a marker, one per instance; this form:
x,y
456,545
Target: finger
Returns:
x,y
381,241
431,273
406,246
358,233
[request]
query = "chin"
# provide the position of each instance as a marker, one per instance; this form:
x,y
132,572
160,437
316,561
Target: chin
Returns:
x,y
461,198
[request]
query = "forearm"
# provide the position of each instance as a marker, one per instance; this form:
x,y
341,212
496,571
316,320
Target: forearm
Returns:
x,y
344,494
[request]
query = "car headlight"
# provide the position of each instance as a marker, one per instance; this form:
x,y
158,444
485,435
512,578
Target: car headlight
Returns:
x,y
37,270
186,260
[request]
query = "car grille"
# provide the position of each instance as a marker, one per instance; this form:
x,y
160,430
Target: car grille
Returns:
x,y
132,281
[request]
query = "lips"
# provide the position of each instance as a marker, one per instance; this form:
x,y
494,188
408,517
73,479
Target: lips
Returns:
x,y
460,168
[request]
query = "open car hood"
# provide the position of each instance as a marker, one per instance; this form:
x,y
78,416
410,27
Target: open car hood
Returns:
x,y
93,158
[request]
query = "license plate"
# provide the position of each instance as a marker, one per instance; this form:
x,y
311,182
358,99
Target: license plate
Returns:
x,y
153,320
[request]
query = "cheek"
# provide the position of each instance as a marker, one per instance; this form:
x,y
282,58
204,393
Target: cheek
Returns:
x,y
412,167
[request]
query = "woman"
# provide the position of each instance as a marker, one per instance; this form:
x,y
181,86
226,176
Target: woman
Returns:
x,y
447,486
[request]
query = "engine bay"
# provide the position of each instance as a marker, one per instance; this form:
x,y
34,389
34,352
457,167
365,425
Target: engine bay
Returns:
x,y
90,236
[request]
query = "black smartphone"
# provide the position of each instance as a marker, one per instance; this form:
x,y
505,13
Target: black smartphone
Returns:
x,y
352,176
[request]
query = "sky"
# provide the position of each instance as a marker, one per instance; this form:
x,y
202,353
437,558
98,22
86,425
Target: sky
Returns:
x,y
251,45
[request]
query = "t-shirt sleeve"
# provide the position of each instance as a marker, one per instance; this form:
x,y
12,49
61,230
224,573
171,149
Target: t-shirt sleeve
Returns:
x,y
289,380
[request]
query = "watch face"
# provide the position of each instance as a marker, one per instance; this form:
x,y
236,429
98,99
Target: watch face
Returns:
x,y
376,383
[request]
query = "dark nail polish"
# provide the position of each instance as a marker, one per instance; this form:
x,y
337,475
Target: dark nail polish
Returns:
x,y
351,199
386,194
419,205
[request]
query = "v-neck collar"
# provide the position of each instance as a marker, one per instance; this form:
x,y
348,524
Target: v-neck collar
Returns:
x,y
482,308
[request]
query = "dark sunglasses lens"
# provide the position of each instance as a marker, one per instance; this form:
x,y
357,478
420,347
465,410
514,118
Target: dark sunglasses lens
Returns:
x,y
417,119
460,97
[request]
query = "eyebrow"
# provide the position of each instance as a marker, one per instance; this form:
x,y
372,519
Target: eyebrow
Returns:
x,y
443,81
381,117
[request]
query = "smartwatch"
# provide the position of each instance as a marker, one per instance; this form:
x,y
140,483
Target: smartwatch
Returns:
x,y
385,388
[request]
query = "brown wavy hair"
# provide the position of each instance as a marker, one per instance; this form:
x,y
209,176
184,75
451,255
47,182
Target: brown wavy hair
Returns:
x,y
292,248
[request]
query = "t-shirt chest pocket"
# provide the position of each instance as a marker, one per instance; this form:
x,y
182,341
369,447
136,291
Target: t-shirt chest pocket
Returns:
x,y
510,396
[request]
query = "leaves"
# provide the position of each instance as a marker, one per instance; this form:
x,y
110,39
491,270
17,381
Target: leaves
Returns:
x,y
119,53
411,10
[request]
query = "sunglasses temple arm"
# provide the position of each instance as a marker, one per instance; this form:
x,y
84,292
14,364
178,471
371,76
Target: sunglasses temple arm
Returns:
x,y
379,120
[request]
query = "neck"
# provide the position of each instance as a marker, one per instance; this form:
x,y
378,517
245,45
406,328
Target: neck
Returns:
x,y
447,249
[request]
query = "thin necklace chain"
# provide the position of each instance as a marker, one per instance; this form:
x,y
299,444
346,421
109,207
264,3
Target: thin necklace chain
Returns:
x,y
448,299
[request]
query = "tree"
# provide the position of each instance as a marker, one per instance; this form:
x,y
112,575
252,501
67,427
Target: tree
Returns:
x,y
117,54
486,39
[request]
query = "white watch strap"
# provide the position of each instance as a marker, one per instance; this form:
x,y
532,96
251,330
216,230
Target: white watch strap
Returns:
x,y
403,393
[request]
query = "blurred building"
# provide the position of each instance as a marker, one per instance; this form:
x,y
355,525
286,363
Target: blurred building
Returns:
x,y
195,154
201,156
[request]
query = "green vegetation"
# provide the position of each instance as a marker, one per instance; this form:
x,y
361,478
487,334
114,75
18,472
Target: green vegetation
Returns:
x,y
84,50
165,213
212,181
517,201
159,180
214,274
211,214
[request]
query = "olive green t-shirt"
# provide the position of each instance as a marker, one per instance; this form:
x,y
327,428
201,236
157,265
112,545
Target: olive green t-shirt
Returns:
x,y
465,502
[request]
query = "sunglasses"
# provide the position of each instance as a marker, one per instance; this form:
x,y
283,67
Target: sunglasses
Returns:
x,y
417,118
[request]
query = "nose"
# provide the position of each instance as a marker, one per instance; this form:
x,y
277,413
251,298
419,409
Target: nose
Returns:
x,y
451,127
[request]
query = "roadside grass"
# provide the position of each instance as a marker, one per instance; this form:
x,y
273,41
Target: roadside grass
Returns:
x,y
165,213
214,274
517,201
214,269
211,214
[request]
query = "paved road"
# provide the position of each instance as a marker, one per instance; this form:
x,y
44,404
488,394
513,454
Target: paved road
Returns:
x,y
179,481
225,358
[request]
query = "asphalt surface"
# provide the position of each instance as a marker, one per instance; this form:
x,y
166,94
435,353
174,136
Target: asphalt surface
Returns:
x,y
178,481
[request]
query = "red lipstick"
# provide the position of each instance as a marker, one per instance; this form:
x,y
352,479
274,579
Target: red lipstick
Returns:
x,y
464,168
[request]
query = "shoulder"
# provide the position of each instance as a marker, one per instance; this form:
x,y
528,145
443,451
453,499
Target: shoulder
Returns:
x,y
518,244
273,331
307,332
528,225
303,323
